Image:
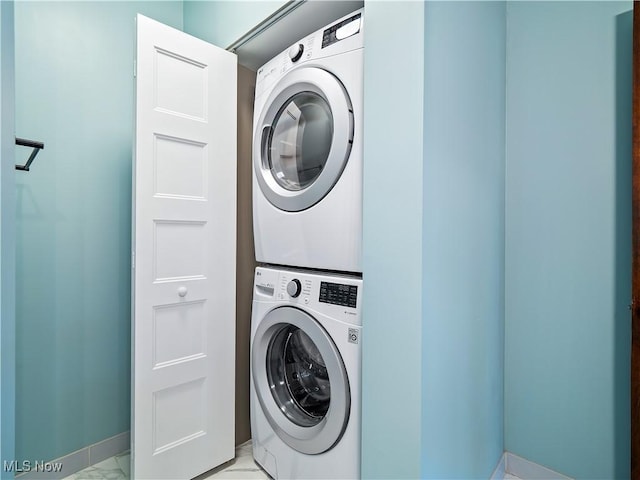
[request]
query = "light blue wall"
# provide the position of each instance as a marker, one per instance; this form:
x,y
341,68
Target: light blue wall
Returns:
x,y
223,22
433,236
392,256
74,64
7,237
463,238
568,237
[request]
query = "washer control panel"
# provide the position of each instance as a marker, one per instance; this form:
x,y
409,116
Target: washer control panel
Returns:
x,y
339,294
336,295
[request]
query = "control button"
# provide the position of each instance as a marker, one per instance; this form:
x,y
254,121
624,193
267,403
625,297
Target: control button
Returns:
x,y
295,52
306,300
294,287
353,335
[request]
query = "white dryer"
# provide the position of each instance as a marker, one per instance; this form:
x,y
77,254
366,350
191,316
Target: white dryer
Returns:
x,y
305,374
307,151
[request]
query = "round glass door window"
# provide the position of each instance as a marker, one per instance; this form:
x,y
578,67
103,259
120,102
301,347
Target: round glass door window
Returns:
x,y
298,377
300,380
303,138
300,140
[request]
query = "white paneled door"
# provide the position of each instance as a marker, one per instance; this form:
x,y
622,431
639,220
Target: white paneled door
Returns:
x,y
184,250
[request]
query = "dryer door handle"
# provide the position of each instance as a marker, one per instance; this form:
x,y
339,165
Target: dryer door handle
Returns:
x,y
266,159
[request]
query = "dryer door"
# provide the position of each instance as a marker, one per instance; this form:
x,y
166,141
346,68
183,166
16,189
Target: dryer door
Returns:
x,y
300,380
303,138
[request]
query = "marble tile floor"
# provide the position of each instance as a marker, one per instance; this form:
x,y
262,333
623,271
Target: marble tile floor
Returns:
x,y
242,467
114,468
117,468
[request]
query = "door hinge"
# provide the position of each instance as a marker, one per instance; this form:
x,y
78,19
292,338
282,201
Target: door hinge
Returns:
x,y
135,68
133,260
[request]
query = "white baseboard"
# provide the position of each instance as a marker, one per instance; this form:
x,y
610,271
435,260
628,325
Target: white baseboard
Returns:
x,y
499,471
528,470
81,459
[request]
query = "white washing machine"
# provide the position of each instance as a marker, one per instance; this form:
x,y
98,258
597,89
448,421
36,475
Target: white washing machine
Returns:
x,y
307,151
305,374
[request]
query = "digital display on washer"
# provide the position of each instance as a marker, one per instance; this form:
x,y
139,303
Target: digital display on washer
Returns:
x,y
338,294
346,28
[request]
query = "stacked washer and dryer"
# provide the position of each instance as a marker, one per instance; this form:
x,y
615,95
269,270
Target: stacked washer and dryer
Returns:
x,y
307,207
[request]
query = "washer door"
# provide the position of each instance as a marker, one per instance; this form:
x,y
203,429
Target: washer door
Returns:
x,y
303,139
300,380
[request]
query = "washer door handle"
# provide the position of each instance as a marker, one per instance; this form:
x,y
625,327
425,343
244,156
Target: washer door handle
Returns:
x,y
266,159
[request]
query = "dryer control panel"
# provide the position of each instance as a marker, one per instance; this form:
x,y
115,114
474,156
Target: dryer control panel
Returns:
x,y
344,35
341,30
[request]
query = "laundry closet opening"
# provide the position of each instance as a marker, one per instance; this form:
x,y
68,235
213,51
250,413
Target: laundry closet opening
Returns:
x,y
293,21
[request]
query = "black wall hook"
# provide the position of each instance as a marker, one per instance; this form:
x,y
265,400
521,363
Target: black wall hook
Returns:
x,y
37,146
